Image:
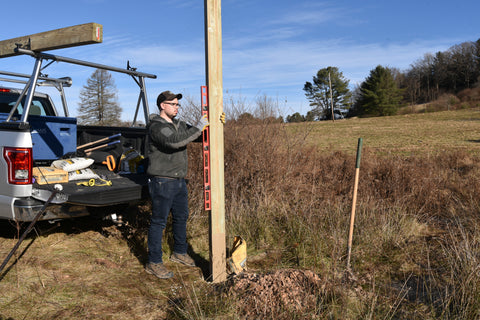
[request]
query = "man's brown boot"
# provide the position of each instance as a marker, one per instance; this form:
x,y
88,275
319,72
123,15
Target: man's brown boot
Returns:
x,y
158,270
183,259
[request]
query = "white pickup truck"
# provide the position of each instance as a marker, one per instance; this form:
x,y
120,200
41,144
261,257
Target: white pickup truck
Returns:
x,y
33,134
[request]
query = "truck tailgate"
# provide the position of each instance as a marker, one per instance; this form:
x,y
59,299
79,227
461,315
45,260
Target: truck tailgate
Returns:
x,y
124,188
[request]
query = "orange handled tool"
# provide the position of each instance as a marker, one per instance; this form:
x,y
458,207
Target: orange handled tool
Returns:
x,y
110,162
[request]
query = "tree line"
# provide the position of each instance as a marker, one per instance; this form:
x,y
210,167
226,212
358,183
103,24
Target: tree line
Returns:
x,y
386,89
382,93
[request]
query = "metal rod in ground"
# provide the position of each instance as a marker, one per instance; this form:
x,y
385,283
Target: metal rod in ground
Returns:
x,y
30,226
354,202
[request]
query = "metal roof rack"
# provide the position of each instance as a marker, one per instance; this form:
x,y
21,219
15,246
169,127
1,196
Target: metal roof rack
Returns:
x,y
59,83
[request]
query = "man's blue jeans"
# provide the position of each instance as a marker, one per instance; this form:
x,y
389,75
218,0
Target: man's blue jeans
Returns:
x,y
168,195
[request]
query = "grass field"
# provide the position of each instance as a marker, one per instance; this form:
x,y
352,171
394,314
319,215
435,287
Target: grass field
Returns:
x,y
408,134
288,191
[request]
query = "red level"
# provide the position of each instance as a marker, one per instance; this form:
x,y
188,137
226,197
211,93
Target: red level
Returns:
x,y
206,152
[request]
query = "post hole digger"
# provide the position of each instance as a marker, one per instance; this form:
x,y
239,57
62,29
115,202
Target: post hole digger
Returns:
x,y
354,204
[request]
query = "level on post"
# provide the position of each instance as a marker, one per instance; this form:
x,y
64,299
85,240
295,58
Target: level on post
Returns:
x,y
206,151
78,35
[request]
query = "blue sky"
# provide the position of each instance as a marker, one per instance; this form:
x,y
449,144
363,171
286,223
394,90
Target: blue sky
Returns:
x,y
270,48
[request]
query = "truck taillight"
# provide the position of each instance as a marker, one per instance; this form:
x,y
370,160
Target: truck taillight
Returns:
x,y
4,90
20,163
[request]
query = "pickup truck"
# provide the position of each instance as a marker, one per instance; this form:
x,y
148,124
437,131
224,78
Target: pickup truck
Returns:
x,y
33,135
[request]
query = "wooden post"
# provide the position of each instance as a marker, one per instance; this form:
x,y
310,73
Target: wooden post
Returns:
x,y
82,34
213,39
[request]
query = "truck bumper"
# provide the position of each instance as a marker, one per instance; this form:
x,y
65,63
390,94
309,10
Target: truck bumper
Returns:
x,y
27,208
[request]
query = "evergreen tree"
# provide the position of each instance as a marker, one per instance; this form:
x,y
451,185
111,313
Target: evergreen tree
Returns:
x,y
296,117
319,95
309,116
99,105
379,94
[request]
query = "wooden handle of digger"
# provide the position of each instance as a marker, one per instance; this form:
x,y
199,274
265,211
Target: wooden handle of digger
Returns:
x,y
98,141
354,201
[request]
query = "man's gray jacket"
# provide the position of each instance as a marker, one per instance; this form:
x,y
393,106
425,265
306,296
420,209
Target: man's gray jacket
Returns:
x,y
167,149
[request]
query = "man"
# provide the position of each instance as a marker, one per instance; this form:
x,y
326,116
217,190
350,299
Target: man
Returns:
x,y
168,139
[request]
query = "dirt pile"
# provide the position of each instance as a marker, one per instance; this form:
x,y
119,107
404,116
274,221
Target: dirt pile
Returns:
x,y
277,295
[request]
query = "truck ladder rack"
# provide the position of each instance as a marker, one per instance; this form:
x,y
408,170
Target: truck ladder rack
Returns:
x,y
58,83
139,78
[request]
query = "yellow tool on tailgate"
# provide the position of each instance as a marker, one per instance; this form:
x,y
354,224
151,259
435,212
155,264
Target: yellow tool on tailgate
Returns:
x,y
92,183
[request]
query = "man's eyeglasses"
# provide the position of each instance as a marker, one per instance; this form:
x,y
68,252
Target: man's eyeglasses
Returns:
x,y
173,104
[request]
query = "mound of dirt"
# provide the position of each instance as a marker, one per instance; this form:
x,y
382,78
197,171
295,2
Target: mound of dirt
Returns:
x,y
279,294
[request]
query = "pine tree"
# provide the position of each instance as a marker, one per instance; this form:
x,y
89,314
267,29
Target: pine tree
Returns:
x,y
379,94
99,105
318,92
296,117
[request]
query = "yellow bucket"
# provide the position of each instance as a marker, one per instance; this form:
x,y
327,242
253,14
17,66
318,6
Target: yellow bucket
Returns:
x,y
238,260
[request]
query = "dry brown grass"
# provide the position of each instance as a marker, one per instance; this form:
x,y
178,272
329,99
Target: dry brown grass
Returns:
x,y
288,193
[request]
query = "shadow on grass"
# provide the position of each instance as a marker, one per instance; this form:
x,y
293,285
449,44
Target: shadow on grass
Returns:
x,y
14,230
6,270
201,263
22,231
133,229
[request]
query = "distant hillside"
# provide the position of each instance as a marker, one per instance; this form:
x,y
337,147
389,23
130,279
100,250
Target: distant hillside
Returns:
x,y
467,98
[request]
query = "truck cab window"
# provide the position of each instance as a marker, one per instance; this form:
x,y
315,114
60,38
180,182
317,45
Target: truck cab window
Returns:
x,y
40,106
